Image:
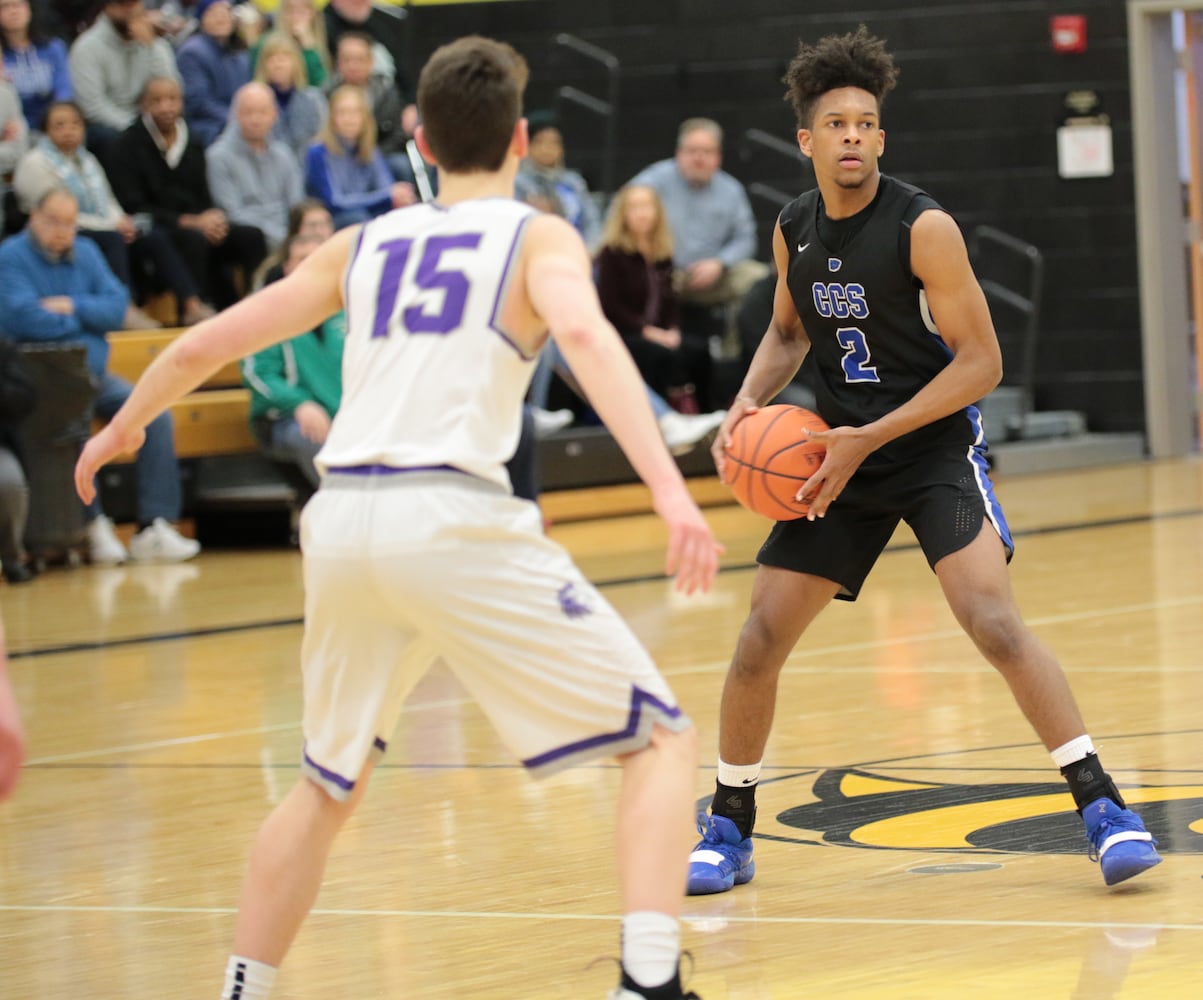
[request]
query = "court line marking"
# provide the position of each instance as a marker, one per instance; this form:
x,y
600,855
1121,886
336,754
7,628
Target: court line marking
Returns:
x,y
216,630
793,662
685,917
811,652
210,737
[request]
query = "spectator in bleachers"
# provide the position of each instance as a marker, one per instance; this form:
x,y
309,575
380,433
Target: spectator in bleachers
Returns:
x,y
301,109
34,63
301,21
159,169
308,217
213,64
296,386
255,179
171,19
110,65
57,288
544,181
635,286
17,400
66,19
14,133
345,170
386,27
353,67
59,160
714,231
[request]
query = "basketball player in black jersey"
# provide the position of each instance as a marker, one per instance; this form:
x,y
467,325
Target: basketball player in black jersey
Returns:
x,y
877,303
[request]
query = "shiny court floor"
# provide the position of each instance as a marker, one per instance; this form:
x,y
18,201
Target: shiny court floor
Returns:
x,y
914,841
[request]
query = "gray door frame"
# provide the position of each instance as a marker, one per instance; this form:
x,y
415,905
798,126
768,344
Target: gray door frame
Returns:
x,y
1161,236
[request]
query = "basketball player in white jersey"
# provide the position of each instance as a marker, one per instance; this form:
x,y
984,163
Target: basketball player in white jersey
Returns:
x,y
414,547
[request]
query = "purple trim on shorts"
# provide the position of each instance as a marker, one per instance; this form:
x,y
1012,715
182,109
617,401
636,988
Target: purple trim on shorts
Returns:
x,y
505,284
327,775
639,698
390,470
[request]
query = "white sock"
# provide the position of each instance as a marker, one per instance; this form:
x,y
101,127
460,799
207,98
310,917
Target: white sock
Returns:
x,y
651,947
1073,751
738,775
247,979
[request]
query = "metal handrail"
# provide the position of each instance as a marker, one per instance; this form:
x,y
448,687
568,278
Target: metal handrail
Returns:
x,y
775,196
606,109
1026,302
759,137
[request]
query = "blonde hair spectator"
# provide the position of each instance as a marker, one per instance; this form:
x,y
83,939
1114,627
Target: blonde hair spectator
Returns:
x,y
279,43
365,143
617,233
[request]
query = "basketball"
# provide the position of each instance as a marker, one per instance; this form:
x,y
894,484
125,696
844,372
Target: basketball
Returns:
x,y
770,457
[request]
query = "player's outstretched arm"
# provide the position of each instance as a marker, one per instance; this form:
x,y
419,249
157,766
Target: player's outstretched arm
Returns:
x,y
776,360
12,739
284,309
560,287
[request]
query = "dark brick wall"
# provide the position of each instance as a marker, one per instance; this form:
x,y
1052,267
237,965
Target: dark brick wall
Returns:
x,y
973,121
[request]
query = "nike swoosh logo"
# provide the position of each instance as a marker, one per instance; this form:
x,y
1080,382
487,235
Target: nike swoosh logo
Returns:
x,y
802,247
750,781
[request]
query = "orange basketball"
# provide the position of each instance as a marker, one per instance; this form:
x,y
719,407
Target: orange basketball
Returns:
x,y
770,457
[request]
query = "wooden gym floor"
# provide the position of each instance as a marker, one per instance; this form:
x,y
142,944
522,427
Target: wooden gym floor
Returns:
x,y
914,840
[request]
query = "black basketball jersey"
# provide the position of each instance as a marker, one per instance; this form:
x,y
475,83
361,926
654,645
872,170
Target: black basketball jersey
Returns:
x,y
873,342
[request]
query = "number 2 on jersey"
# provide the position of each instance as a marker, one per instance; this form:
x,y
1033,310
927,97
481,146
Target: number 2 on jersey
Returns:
x,y
428,277
856,355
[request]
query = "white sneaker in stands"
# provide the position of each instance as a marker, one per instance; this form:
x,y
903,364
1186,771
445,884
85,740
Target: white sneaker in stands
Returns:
x,y
682,431
547,422
103,544
160,542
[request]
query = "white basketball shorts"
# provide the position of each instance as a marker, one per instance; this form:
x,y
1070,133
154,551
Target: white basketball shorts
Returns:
x,y
402,567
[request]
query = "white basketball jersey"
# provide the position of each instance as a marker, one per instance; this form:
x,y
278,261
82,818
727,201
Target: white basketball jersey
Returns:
x,y
430,379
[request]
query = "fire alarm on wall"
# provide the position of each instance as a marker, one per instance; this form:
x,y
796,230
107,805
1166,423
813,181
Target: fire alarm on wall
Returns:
x,y
1068,32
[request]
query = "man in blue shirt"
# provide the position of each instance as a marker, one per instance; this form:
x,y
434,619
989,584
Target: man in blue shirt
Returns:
x,y
714,231
56,288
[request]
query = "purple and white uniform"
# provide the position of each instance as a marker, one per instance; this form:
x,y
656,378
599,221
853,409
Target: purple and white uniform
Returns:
x,y
415,548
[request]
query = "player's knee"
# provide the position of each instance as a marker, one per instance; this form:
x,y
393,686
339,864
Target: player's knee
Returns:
x,y
999,633
761,649
682,743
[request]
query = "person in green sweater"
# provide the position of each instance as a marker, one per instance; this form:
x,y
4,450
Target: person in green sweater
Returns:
x,y
296,386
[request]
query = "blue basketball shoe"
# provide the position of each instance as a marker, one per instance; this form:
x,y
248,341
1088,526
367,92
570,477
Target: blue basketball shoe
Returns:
x,y
1119,841
722,858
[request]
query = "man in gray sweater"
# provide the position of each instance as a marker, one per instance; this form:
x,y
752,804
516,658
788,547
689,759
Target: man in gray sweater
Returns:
x,y
255,180
110,64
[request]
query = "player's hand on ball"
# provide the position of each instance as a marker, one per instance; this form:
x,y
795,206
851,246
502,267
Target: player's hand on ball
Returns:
x,y
742,406
847,448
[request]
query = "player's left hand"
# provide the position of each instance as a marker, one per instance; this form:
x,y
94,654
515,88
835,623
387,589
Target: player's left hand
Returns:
x,y
99,451
846,448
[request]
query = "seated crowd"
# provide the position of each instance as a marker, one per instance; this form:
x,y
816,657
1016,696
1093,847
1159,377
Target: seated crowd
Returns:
x,y
157,166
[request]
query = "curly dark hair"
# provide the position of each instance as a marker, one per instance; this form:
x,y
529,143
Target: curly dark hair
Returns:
x,y
857,59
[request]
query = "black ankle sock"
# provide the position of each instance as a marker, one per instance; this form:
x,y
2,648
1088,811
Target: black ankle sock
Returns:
x,y
669,991
1088,781
738,804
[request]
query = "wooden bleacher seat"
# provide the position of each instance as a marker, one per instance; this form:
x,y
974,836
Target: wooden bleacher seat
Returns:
x,y
213,420
130,351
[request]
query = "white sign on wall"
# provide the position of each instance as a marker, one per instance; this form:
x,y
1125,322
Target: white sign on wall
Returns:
x,y
1084,151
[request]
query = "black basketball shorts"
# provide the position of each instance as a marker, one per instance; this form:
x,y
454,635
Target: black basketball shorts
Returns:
x,y
944,495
